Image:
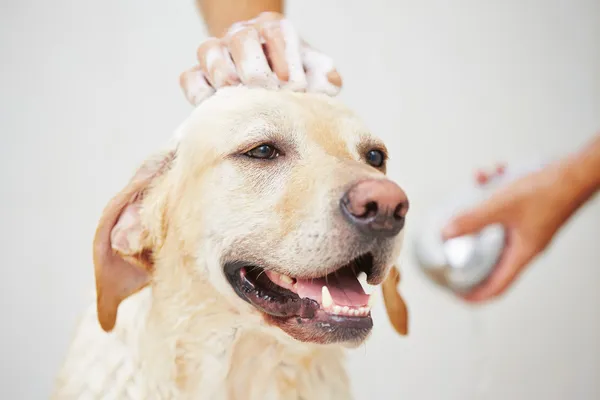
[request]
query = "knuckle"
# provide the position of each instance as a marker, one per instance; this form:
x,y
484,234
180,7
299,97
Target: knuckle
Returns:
x,y
236,27
206,46
244,33
270,29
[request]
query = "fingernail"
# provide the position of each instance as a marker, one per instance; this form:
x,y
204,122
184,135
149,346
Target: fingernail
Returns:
x,y
334,78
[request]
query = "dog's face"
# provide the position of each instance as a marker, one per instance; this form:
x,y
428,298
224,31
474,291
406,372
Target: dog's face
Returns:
x,y
282,203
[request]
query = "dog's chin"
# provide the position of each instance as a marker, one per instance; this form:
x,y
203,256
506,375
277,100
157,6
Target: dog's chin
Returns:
x,y
330,309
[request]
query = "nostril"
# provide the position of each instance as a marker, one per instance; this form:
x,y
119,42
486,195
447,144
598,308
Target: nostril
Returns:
x,y
371,209
399,212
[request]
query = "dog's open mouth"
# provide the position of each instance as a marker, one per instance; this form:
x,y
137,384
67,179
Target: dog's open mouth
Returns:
x,y
341,298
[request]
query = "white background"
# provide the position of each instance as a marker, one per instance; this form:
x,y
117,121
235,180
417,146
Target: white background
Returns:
x,y
89,88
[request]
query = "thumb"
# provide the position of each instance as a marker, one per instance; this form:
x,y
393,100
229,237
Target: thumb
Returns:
x,y
472,220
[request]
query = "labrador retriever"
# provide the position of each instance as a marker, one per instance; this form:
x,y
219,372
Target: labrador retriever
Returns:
x,y
239,262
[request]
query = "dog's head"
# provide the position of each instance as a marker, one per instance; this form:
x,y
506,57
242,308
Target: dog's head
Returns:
x,y
278,200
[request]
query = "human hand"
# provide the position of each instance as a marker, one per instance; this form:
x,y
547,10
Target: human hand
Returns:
x,y
262,52
532,209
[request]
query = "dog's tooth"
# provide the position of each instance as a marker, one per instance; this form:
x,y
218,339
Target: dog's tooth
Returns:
x,y
286,279
337,310
345,309
362,311
362,279
326,298
274,276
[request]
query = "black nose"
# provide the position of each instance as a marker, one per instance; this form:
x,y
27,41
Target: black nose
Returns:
x,y
377,207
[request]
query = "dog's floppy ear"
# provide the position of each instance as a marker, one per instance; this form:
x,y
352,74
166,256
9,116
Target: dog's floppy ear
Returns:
x,y
394,303
122,256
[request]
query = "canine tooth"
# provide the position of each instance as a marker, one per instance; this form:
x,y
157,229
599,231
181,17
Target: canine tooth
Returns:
x,y
337,309
362,311
286,279
362,279
345,309
326,298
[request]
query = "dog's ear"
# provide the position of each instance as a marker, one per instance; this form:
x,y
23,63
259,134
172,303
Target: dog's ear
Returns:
x,y
394,303
122,254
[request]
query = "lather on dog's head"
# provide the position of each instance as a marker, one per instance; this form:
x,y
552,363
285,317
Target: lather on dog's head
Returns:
x,y
280,201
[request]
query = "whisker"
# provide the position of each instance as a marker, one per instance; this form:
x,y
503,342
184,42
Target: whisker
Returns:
x,y
260,273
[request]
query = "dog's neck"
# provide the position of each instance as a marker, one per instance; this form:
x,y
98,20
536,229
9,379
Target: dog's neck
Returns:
x,y
208,346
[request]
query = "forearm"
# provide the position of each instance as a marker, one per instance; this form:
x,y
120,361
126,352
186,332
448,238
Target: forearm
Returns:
x,y
583,169
219,15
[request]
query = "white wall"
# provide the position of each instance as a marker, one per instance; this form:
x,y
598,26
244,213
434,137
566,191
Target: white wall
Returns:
x,y
88,89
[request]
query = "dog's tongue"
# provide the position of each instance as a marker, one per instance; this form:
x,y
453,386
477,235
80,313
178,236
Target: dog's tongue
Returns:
x,y
344,288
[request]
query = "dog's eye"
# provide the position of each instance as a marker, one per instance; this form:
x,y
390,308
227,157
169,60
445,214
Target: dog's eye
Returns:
x,y
264,152
376,158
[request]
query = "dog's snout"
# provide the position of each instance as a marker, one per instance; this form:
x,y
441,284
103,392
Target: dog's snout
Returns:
x,y
377,207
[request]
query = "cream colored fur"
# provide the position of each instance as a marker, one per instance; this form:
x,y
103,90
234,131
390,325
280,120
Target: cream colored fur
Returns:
x,y
185,334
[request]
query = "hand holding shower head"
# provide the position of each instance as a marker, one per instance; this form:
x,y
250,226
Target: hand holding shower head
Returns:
x,y
462,263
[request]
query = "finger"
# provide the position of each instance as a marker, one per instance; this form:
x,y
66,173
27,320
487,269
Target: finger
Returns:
x,y
320,72
250,61
216,64
195,86
500,169
481,177
267,16
504,274
473,220
282,44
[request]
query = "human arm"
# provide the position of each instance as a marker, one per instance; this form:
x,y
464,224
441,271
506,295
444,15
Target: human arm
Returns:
x,y
219,15
584,169
532,209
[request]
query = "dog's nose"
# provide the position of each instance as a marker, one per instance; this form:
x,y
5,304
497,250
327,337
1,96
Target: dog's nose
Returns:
x,y
377,207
